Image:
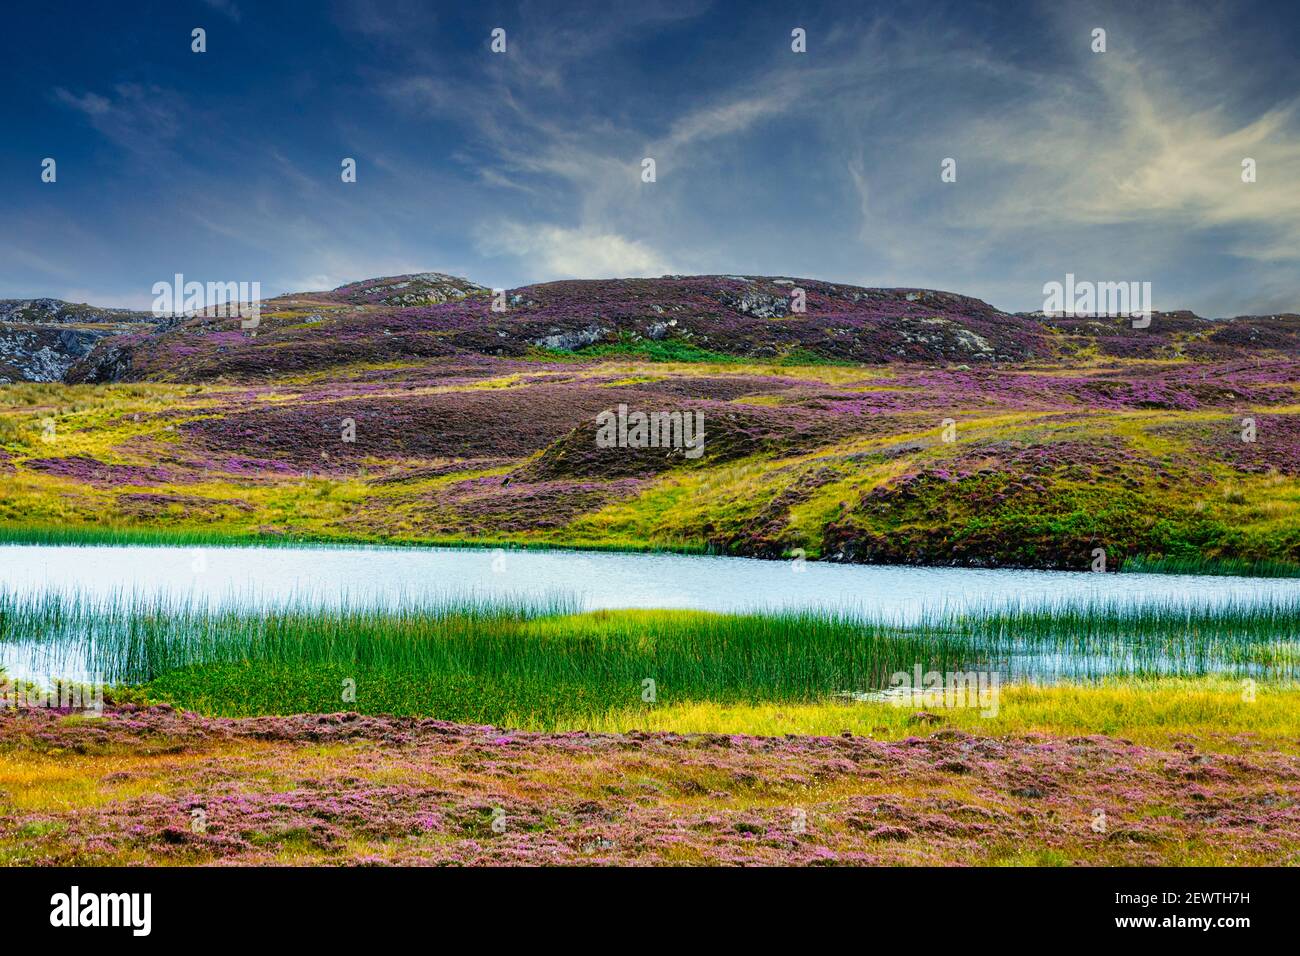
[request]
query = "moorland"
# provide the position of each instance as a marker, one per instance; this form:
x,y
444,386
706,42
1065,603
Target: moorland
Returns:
x,y
879,425
899,426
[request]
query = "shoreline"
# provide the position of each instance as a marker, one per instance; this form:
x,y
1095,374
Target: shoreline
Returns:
x,y
89,537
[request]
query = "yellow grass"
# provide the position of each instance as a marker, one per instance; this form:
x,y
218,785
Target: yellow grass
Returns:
x,y
1155,713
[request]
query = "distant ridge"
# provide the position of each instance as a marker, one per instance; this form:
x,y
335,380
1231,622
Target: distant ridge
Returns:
x,y
430,315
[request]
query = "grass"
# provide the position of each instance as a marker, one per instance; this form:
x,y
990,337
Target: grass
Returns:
x,y
1196,564
114,535
679,350
1213,791
663,350
539,663
1156,712
819,499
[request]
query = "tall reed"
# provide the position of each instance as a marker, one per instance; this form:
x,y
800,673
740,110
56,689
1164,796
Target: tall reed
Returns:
x,y
786,655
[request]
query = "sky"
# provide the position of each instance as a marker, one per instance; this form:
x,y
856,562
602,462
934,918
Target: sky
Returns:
x,y
527,165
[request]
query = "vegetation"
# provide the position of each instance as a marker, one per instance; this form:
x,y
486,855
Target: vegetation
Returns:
x,y
1155,711
1263,568
840,462
879,426
541,664
1195,774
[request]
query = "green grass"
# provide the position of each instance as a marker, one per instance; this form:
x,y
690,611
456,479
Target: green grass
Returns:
x,y
662,350
109,534
540,661
680,350
1195,564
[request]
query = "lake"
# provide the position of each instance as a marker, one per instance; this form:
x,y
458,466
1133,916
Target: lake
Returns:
x,y
598,579
361,575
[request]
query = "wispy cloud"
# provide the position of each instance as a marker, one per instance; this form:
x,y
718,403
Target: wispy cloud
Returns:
x,y
141,118
226,7
526,165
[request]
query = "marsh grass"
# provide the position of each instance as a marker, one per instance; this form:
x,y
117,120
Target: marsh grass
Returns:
x,y
464,658
1231,567
115,535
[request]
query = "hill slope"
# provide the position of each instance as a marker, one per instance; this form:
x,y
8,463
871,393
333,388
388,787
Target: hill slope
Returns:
x,y
894,425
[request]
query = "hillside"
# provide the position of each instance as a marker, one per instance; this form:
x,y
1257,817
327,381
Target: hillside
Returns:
x,y
881,425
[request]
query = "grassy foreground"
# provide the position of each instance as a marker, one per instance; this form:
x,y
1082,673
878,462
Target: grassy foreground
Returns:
x,y
1195,776
296,735
1219,714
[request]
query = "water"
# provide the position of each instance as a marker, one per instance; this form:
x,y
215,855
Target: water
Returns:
x,y
598,580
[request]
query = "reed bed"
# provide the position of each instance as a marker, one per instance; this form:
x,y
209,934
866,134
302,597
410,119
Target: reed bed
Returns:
x,y
463,657
110,535
1222,567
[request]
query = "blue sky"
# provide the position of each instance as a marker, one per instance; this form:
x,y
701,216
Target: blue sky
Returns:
x,y
526,166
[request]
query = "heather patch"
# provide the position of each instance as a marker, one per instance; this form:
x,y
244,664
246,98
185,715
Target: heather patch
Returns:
x,y
1173,335
684,319
1273,445
702,318
418,422
1016,504
1025,391
401,476
99,474
770,531
190,463
474,423
496,505
192,507
719,388
393,790
195,351
731,432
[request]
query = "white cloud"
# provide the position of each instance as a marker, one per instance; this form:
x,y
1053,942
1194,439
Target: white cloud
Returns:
x,y
555,252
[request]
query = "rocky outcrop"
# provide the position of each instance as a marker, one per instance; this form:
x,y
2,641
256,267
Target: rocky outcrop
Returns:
x,y
110,363
421,288
42,339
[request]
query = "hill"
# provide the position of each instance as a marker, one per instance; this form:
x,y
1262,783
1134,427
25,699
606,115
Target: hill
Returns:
x,y
883,425
433,316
